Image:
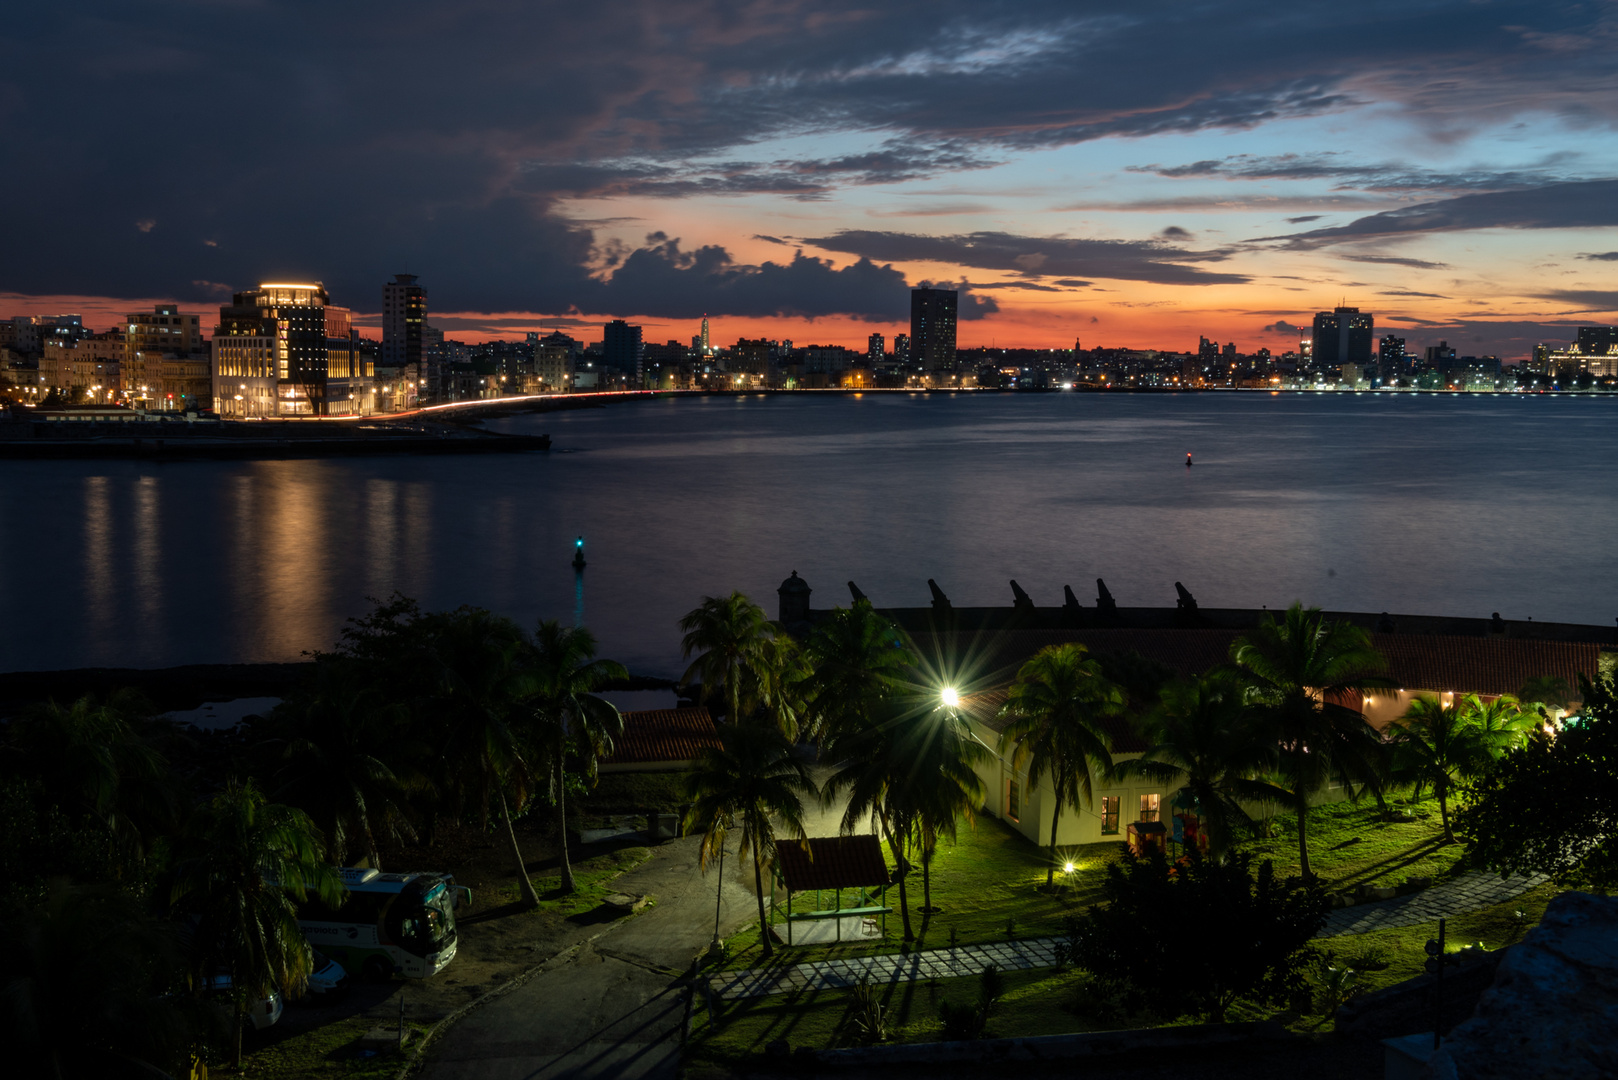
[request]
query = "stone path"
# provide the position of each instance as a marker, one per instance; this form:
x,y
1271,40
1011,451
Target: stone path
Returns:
x,y
1470,892
892,968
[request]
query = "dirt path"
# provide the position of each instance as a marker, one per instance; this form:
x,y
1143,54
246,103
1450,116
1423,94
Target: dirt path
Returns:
x,y
617,1006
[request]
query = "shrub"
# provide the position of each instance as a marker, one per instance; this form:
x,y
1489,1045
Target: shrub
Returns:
x,y
969,1021
1198,936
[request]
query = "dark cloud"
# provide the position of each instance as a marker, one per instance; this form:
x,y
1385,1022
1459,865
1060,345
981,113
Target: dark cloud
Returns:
x,y
769,239
1174,232
1586,300
1281,326
1304,218
1034,256
1600,256
1392,260
1073,283
661,279
1407,292
1343,169
330,142
1588,204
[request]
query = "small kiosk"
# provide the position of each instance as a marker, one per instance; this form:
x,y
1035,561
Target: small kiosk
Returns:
x,y
1147,836
834,864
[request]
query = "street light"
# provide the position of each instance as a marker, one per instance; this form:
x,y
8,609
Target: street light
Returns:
x,y
950,697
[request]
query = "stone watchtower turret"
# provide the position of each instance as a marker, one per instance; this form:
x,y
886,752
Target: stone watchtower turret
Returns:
x,y
794,593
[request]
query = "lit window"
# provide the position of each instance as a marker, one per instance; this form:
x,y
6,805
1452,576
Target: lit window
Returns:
x,y
1149,807
1109,814
1014,800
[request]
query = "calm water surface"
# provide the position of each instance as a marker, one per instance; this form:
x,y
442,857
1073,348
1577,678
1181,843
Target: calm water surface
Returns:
x,y
1463,505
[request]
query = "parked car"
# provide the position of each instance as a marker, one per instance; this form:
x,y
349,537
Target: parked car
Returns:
x,y
328,980
263,1013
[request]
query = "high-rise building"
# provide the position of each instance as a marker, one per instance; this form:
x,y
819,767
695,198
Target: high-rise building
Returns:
x,y
901,349
622,351
1597,340
876,348
932,328
705,345
1437,356
1392,364
404,318
1342,336
270,352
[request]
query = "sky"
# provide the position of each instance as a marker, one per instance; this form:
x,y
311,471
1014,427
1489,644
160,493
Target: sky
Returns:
x,y
1133,174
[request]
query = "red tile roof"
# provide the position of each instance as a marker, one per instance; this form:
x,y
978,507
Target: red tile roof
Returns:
x,y
663,735
831,862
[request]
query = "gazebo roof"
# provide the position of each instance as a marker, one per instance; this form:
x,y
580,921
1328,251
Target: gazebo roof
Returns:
x,y
831,862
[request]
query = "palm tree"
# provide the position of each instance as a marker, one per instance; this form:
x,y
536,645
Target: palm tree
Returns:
x,y
1056,710
91,761
477,686
1298,672
727,633
751,781
243,863
568,718
944,788
87,980
857,659
778,676
1439,745
1205,740
1503,723
335,741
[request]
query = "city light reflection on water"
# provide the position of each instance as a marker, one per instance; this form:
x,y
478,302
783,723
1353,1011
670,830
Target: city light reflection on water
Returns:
x,y
1419,504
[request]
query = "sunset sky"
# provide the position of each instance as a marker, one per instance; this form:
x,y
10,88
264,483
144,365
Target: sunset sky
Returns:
x,y
1131,174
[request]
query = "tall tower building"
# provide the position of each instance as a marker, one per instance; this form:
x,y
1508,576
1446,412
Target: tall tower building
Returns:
x,y
1392,363
1342,337
707,347
932,328
623,351
876,348
404,317
270,352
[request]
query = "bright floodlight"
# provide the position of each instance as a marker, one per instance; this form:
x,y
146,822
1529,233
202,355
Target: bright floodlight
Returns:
x,y
1067,868
951,698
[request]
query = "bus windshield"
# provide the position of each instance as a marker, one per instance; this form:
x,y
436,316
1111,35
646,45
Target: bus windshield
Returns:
x,y
440,918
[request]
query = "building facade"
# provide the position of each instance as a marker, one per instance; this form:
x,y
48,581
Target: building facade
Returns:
x,y
271,352
404,321
166,366
623,352
1342,336
932,328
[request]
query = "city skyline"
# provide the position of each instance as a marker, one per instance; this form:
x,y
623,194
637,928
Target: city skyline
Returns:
x,y
1129,178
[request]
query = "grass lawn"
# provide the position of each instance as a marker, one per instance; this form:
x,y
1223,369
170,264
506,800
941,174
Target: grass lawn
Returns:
x,y
1035,1003
328,1050
991,877
1048,1002
592,875
1350,846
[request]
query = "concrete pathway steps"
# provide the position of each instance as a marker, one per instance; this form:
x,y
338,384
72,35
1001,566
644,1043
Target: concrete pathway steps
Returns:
x,y
1470,892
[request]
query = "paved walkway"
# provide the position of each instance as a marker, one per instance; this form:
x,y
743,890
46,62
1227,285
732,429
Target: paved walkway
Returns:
x,y
1470,892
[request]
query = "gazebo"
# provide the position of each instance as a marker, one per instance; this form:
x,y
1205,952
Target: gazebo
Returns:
x,y
833,864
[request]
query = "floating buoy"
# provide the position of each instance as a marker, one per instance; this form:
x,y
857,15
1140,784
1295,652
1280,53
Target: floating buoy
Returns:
x,y
1188,461
578,554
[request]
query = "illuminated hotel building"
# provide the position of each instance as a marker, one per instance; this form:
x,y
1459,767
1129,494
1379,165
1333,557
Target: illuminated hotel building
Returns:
x,y
282,350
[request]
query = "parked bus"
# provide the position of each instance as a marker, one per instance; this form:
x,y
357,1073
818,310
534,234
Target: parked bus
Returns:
x,y
386,923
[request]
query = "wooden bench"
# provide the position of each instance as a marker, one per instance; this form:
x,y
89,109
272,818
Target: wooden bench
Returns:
x,y
840,913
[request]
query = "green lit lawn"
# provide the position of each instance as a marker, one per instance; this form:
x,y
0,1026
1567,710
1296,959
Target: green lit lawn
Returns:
x,y
1386,852
992,875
